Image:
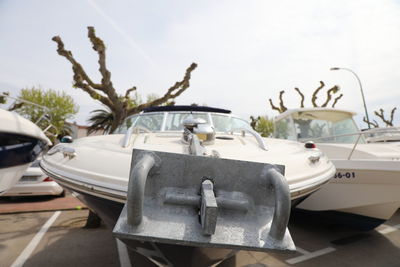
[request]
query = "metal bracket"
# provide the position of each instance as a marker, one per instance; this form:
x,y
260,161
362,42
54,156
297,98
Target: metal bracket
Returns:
x,y
209,208
245,206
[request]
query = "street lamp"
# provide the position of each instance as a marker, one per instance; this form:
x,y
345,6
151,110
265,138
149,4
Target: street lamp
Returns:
x,y
362,92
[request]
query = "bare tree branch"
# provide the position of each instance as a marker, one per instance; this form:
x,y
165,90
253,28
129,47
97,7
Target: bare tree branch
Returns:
x,y
81,79
382,117
174,91
281,104
374,124
129,91
100,48
105,91
301,95
329,94
314,95
336,100
78,68
15,106
273,106
391,115
254,121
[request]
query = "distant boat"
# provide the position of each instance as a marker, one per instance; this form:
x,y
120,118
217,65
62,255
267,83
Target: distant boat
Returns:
x,y
382,135
366,189
193,143
21,141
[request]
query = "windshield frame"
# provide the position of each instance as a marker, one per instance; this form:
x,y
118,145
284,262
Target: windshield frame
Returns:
x,y
359,136
165,116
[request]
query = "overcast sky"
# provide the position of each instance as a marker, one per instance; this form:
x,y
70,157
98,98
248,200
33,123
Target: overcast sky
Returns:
x,y
247,51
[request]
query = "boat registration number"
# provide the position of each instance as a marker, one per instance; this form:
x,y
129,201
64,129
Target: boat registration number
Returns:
x,y
345,175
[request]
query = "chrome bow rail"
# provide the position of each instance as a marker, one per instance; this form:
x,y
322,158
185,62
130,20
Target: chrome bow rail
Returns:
x,y
256,135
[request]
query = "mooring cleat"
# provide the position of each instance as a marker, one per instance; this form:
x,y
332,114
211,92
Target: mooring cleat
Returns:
x,y
209,208
205,202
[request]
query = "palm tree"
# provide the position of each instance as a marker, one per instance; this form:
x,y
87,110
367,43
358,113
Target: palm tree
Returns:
x,y
101,120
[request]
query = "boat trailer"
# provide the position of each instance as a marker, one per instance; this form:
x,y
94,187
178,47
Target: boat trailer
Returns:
x,y
200,201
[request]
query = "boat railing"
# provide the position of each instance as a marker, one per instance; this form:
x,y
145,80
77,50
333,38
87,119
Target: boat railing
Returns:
x,y
256,135
243,131
44,116
390,134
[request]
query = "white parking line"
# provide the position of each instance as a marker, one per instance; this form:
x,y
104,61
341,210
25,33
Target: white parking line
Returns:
x,y
388,229
302,251
35,241
123,254
310,255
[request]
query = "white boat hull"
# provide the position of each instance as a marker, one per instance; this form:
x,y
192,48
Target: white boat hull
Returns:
x,y
10,176
102,180
372,191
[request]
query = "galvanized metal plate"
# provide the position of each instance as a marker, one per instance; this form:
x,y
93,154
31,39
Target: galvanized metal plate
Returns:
x,y
172,199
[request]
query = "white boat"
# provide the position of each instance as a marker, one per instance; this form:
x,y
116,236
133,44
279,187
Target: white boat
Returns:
x,y
21,141
98,167
35,183
365,190
383,135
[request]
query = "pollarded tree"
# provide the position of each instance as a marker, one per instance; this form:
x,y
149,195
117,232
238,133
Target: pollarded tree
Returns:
x,y
105,92
388,122
329,97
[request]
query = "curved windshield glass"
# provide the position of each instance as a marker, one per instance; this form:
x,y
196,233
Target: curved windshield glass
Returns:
x,y
227,124
283,129
174,121
128,122
151,122
342,131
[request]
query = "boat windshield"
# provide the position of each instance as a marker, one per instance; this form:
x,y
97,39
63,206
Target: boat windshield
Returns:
x,y
322,129
173,121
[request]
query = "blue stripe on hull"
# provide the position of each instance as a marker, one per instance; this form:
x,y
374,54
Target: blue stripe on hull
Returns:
x,y
18,149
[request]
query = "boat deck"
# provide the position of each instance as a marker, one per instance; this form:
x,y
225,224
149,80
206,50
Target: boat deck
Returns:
x,y
56,237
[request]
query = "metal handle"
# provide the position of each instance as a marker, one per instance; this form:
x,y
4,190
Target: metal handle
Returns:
x,y
255,134
148,160
282,205
136,187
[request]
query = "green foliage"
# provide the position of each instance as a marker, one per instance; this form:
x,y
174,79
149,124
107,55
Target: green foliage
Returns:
x,y
60,108
3,98
101,120
263,125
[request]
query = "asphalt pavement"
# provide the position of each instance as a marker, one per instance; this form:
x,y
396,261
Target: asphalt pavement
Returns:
x,y
57,237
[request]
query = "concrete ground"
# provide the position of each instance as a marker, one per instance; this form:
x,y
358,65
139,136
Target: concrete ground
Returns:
x,y
57,238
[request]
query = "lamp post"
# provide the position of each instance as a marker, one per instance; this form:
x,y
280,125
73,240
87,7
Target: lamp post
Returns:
x,y
362,92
